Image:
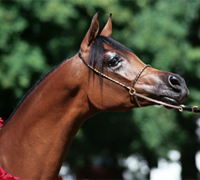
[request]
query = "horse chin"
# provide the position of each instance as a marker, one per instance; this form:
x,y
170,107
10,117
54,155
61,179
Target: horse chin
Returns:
x,y
169,100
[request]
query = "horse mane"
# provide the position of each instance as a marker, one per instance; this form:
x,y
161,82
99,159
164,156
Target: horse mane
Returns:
x,y
95,59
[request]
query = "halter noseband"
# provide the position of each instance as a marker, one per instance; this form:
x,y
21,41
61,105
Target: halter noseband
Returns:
x,y
135,80
132,91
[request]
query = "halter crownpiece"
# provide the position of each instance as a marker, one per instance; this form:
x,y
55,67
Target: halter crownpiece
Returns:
x,y
132,91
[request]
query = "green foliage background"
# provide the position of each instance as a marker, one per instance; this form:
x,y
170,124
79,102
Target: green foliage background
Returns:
x,y
36,35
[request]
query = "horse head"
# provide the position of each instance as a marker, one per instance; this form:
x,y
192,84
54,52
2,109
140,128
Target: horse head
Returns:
x,y
108,58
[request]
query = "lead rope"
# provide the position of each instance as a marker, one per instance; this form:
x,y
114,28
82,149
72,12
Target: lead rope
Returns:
x,y
132,91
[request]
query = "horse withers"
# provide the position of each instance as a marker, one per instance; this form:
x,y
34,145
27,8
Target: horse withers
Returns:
x,y
100,77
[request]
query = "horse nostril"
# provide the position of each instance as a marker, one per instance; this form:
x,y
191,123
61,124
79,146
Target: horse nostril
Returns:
x,y
174,82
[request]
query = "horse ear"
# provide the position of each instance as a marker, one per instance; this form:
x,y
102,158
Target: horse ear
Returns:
x,y
91,33
107,30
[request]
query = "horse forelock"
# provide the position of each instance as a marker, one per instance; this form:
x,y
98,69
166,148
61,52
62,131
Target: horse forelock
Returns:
x,y
97,50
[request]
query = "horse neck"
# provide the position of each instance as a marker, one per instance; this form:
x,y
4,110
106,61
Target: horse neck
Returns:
x,y
44,125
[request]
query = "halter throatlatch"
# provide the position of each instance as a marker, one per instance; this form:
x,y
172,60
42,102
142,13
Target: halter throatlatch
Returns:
x,y
132,91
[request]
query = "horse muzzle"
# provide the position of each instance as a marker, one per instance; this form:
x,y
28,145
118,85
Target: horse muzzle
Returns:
x,y
173,89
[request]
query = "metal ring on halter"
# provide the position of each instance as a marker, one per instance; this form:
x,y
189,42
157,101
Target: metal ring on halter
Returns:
x,y
194,110
132,91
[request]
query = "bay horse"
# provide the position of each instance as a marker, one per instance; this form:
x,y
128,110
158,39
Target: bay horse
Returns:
x,y
100,77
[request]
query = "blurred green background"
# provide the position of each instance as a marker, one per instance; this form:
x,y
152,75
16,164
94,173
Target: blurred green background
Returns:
x,y
37,35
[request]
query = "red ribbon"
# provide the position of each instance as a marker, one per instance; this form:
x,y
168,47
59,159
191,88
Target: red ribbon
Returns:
x,y
3,175
1,122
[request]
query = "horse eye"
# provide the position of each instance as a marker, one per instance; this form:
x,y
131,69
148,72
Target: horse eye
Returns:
x,y
113,62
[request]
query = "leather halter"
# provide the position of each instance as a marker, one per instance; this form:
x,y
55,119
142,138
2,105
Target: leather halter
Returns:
x,y
131,89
